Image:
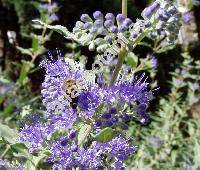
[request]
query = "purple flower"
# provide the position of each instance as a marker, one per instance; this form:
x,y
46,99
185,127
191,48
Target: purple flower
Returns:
x,y
154,62
52,17
63,82
89,158
32,134
91,99
187,16
62,155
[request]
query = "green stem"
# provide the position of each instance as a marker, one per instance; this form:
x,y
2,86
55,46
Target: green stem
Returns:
x,y
123,53
124,7
5,151
121,59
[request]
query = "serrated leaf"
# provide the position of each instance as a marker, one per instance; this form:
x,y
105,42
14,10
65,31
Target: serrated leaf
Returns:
x,y
105,135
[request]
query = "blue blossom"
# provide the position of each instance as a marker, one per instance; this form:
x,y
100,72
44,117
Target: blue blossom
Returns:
x,y
187,16
64,81
154,62
90,100
33,136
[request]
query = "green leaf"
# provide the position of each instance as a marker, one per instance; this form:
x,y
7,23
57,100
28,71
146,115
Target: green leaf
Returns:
x,y
165,49
64,32
8,134
35,44
83,133
26,66
7,111
105,135
25,51
132,59
58,28
41,156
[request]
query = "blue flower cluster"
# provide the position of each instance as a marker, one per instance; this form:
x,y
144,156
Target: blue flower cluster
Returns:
x,y
103,30
165,19
86,117
159,19
74,98
49,10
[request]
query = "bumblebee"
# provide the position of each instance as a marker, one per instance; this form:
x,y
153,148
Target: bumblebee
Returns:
x,y
69,86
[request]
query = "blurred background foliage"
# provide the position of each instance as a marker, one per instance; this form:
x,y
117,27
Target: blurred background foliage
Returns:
x,y
171,140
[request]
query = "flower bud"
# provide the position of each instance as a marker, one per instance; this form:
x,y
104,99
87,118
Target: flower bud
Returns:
x,y
98,23
147,12
110,16
108,123
108,23
101,31
72,134
87,25
92,46
120,18
74,148
124,126
79,24
155,6
86,18
127,22
98,123
122,28
113,29
98,15
64,141
125,117
115,119
113,110
93,30
106,115
108,38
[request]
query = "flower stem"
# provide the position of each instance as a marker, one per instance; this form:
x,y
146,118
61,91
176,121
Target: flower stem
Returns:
x,y
5,151
120,62
122,54
124,7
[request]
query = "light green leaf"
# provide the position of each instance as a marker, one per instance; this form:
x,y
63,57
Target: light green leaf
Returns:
x,y
10,135
26,66
105,135
58,28
35,44
25,51
83,133
132,59
7,111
